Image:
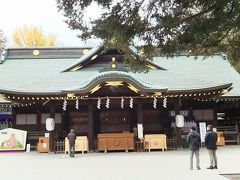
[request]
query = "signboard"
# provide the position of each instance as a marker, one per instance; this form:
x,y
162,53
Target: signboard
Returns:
x,y
203,131
140,131
12,140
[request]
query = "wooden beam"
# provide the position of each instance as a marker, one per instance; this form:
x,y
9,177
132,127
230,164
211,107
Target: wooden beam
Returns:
x,y
215,121
90,125
52,112
177,106
39,123
140,113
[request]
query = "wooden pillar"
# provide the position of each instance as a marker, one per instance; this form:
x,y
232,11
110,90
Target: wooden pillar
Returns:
x,y
140,113
52,110
177,106
215,110
90,126
51,134
14,118
39,123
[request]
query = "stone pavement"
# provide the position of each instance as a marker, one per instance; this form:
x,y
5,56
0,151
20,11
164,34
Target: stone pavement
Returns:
x,y
168,165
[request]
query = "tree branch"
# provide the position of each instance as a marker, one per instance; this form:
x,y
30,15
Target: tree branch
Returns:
x,y
198,15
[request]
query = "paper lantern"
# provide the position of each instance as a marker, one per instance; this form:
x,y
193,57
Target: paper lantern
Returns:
x,y
179,121
50,124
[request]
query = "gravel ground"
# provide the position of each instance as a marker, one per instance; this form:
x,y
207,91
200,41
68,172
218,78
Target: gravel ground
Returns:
x,y
168,165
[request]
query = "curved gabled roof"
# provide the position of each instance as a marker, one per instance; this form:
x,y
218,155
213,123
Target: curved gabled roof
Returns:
x,y
117,76
94,51
92,54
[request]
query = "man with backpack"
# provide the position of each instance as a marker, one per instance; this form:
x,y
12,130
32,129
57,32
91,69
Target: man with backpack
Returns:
x,y
194,142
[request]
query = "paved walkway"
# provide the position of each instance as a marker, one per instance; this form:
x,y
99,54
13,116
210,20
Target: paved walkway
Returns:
x,y
168,165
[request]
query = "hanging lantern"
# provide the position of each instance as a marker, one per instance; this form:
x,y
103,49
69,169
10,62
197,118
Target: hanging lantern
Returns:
x,y
179,120
50,124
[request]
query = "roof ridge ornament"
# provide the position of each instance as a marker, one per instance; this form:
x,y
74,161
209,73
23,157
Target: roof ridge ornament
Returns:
x,y
114,66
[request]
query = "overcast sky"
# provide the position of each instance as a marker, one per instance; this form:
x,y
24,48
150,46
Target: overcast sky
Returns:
x,y
40,13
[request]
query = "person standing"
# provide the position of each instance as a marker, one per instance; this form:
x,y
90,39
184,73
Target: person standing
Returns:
x,y
194,142
71,139
211,145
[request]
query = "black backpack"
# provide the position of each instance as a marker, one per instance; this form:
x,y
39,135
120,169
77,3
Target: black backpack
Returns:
x,y
195,143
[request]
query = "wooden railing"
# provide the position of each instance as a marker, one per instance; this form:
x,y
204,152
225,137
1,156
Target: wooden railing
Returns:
x,y
172,143
33,136
59,146
228,129
230,133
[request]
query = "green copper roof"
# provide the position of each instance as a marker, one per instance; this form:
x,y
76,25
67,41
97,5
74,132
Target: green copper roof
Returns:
x,y
45,75
215,68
